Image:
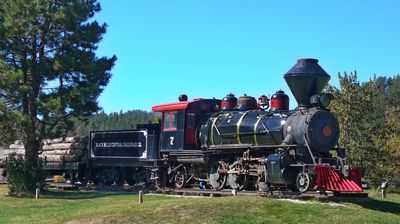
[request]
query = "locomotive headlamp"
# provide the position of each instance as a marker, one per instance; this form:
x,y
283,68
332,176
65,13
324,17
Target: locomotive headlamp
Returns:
x,y
323,100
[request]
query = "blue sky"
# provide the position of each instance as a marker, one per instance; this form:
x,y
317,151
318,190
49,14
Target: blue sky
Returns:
x,y
210,48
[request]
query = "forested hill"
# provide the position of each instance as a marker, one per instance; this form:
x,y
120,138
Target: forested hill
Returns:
x,y
114,121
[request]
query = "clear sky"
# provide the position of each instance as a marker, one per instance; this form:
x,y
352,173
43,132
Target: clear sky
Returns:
x,y
208,48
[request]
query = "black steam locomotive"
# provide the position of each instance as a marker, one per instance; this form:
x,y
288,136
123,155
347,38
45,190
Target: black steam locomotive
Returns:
x,y
233,143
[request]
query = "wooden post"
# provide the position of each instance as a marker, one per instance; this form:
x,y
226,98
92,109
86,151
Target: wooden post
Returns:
x,y
383,187
140,197
37,193
234,192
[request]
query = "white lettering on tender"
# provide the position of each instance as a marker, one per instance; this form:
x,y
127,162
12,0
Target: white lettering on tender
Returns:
x,y
119,144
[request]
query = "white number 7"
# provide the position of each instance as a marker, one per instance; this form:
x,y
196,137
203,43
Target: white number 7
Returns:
x,y
172,140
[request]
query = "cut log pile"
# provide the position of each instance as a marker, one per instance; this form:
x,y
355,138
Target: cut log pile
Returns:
x,y
70,149
17,148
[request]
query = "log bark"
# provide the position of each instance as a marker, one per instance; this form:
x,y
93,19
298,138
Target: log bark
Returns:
x,y
63,152
63,146
60,158
72,139
16,146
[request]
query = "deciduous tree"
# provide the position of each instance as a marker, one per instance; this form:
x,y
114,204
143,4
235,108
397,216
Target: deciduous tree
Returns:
x,y
368,117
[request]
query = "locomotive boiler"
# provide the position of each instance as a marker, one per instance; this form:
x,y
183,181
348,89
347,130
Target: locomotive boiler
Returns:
x,y
312,123
244,125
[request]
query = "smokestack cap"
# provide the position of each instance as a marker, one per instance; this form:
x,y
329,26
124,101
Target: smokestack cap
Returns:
x,y
313,60
305,79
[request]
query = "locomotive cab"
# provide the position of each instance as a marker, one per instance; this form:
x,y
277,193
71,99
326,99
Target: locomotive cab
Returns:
x,y
180,121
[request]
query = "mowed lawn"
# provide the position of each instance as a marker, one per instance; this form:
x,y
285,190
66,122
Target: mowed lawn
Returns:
x,y
105,207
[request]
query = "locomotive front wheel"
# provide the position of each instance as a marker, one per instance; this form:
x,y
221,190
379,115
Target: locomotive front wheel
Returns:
x,y
303,182
180,179
217,175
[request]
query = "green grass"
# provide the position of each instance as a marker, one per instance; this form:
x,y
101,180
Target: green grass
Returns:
x,y
105,207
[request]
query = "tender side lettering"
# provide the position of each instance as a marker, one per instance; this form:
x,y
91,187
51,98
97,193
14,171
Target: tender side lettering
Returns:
x,y
119,144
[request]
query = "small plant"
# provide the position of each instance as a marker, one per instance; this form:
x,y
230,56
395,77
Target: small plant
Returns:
x,y
24,175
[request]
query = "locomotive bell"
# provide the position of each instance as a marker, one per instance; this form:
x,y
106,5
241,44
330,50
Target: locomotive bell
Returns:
x,y
263,102
305,79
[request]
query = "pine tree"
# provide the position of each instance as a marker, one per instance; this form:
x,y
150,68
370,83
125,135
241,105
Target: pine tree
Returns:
x,y
50,71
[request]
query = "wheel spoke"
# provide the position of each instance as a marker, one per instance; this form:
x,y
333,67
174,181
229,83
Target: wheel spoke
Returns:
x,y
303,182
217,175
180,179
239,180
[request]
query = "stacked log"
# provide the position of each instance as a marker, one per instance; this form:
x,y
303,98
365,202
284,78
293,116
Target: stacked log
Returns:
x,y
16,148
70,149
2,156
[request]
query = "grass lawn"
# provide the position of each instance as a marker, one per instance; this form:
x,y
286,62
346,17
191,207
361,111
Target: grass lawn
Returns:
x,y
105,207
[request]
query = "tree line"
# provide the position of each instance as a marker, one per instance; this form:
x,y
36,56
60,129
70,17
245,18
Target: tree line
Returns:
x,y
113,121
97,122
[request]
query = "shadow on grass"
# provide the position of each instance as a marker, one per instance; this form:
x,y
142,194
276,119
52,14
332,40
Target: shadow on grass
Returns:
x,y
76,195
378,205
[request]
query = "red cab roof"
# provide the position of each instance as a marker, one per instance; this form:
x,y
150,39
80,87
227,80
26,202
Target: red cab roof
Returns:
x,y
173,106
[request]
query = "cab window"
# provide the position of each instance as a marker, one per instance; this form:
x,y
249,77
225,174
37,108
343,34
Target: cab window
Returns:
x,y
191,120
170,121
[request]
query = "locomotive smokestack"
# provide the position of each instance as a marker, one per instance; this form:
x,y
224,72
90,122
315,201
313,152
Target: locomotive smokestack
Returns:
x,y
305,79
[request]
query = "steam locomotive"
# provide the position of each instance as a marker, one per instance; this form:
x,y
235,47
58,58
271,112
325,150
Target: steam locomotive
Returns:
x,y
232,143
